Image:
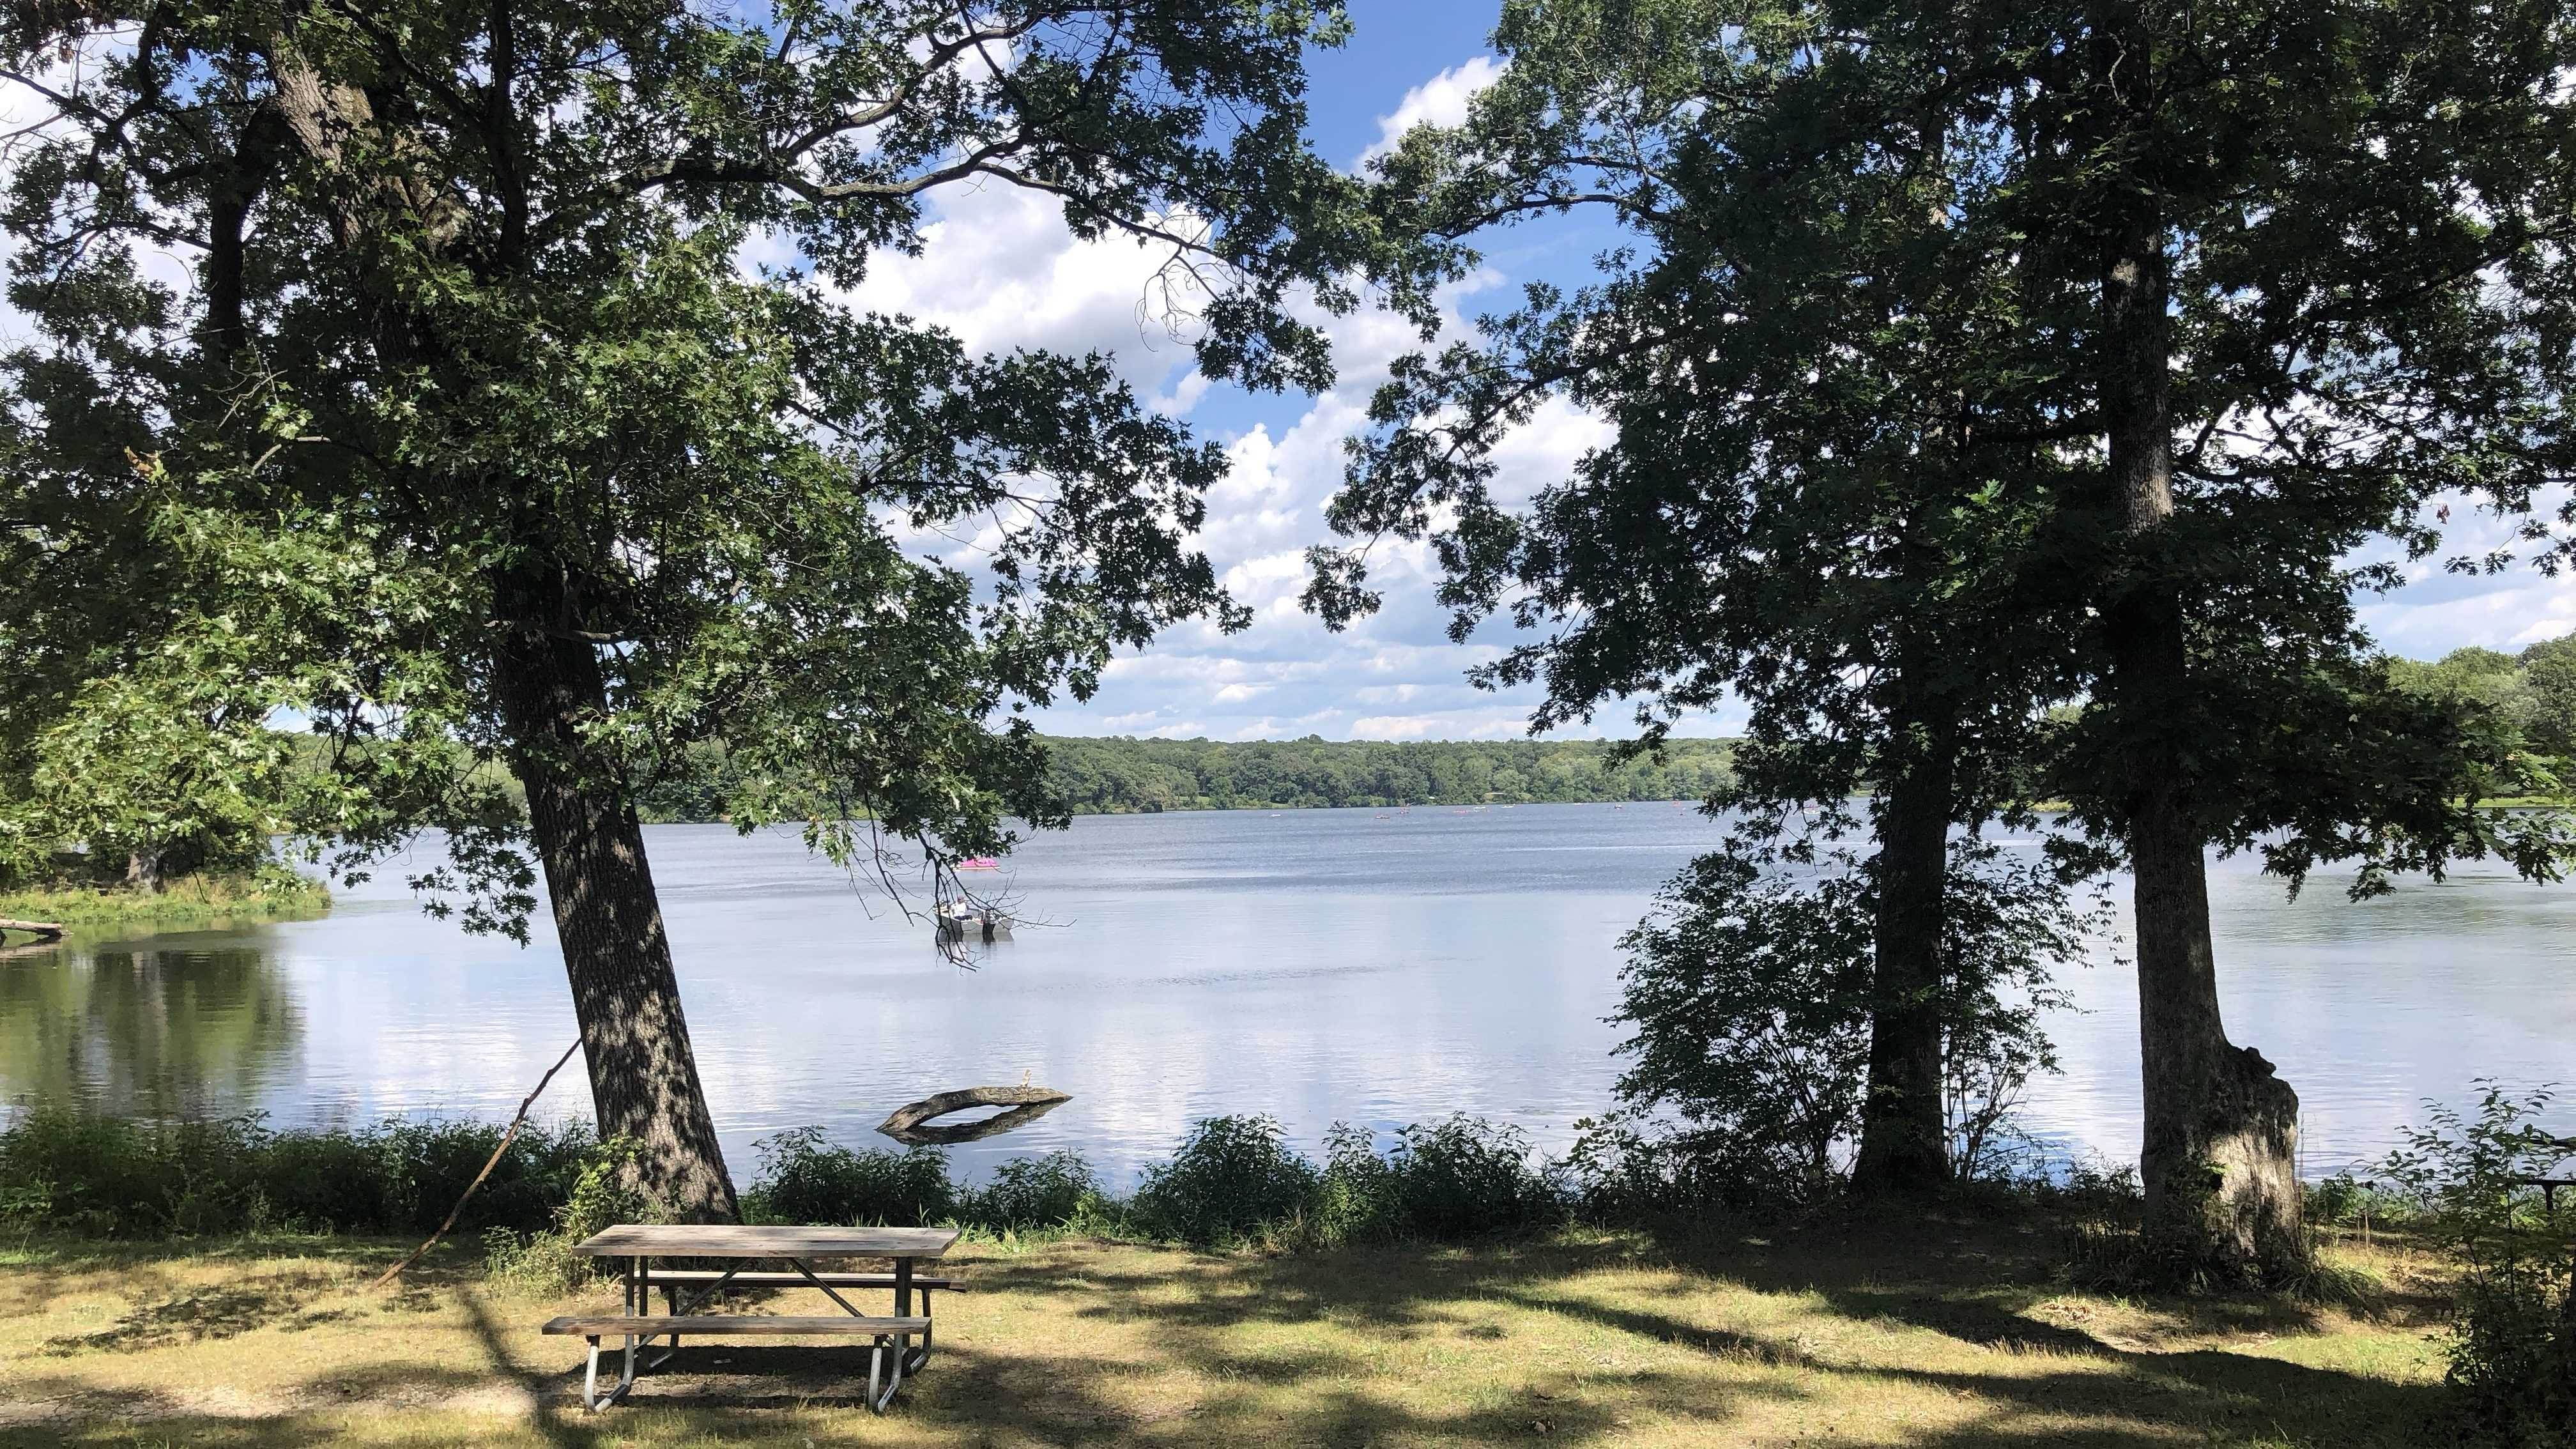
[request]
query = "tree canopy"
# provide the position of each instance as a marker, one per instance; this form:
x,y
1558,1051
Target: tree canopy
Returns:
x,y
470,420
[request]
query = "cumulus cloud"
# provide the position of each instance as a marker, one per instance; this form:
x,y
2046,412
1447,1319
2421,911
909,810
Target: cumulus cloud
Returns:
x,y
1439,101
1000,269
2437,610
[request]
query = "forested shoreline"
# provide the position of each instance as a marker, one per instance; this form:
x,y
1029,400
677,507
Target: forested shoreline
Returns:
x,y
1121,775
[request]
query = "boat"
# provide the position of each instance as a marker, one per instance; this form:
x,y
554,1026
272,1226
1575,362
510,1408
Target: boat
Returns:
x,y
964,920
979,862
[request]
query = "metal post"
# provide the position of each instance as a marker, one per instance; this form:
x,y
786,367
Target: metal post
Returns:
x,y
634,1286
903,1309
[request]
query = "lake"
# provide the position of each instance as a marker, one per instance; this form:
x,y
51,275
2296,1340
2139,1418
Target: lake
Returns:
x,y
1373,967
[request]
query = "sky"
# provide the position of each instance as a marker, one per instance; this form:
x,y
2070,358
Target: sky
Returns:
x,y
1001,271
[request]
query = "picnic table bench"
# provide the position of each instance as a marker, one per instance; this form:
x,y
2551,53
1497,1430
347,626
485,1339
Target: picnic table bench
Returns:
x,y
891,1354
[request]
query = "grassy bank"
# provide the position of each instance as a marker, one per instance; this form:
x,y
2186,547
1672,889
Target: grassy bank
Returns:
x,y
267,896
1861,1332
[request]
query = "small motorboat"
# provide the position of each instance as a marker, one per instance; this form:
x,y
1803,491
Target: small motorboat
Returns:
x,y
979,862
965,920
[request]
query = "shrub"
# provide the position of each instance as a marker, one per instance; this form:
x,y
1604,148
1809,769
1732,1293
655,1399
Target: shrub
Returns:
x,y
2513,1339
1034,1192
111,1177
1232,1179
1460,1178
544,1262
1751,991
803,1179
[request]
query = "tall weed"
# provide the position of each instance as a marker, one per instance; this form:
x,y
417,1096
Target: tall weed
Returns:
x,y
1031,1193
1463,1177
2513,1338
116,1178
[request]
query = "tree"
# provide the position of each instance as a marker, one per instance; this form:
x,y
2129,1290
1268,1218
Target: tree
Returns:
x,y
1831,472
2213,294
473,418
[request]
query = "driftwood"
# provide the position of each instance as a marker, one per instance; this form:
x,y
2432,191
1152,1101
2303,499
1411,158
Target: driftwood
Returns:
x,y
909,1125
41,930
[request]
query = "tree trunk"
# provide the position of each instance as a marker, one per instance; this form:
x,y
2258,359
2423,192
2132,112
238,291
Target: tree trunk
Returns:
x,y
143,866
643,1074
2221,1141
1903,1144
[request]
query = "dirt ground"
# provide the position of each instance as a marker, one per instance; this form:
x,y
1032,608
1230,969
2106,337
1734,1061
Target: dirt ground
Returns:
x,y
1891,1333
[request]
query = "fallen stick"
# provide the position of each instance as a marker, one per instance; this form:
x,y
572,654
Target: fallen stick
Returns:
x,y
493,1161
41,930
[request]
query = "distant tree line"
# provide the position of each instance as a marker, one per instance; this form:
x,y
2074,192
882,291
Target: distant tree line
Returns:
x,y
2532,694
1124,776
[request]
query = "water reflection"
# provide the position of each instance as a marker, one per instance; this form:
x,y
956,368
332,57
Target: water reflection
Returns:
x,y
155,1028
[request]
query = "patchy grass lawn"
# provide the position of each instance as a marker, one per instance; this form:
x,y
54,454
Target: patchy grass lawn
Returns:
x,y
1914,1333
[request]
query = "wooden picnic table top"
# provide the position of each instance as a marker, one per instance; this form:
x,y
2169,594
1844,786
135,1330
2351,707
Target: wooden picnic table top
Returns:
x,y
677,1240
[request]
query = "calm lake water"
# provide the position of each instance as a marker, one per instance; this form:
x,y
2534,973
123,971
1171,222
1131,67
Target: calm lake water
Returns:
x,y
1316,965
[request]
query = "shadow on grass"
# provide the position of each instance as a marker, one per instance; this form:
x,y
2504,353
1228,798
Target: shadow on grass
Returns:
x,y
1633,1338
2107,1394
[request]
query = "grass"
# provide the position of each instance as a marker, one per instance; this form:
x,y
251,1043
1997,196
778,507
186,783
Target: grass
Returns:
x,y
1912,1331
269,895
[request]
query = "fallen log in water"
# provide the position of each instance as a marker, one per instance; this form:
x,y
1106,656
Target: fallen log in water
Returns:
x,y
911,1125
41,930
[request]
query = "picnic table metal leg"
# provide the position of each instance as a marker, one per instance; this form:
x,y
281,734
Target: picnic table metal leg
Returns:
x,y
637,1305
910,1360
885,1356
591,1398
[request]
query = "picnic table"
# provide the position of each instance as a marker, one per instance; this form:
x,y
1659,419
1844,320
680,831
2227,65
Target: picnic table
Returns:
x,y
687,1291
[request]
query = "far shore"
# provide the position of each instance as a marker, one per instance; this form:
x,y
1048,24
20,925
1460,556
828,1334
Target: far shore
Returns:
x,y
268,896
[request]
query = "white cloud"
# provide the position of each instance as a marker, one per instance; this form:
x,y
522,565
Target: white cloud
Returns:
x,y
1439,101
999,268
2438,611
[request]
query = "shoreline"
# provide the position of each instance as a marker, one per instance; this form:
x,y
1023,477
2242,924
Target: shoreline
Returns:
x,y
268,897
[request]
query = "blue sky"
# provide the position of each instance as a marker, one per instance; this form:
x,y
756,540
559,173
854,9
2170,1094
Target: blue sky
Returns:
x,y
1001,271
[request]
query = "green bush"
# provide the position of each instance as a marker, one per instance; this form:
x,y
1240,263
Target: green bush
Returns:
x,y
1461,1178
1234,1178
1231,1180
2512,1348
1033,1192
114,1178
544,1262
804,1179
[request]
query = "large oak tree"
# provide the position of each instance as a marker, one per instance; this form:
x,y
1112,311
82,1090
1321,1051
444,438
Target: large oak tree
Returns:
x,y
399,365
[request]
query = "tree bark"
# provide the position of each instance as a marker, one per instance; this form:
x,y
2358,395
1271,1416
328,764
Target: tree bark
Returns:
x,y
643,1073
2220,1158
1903,1141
